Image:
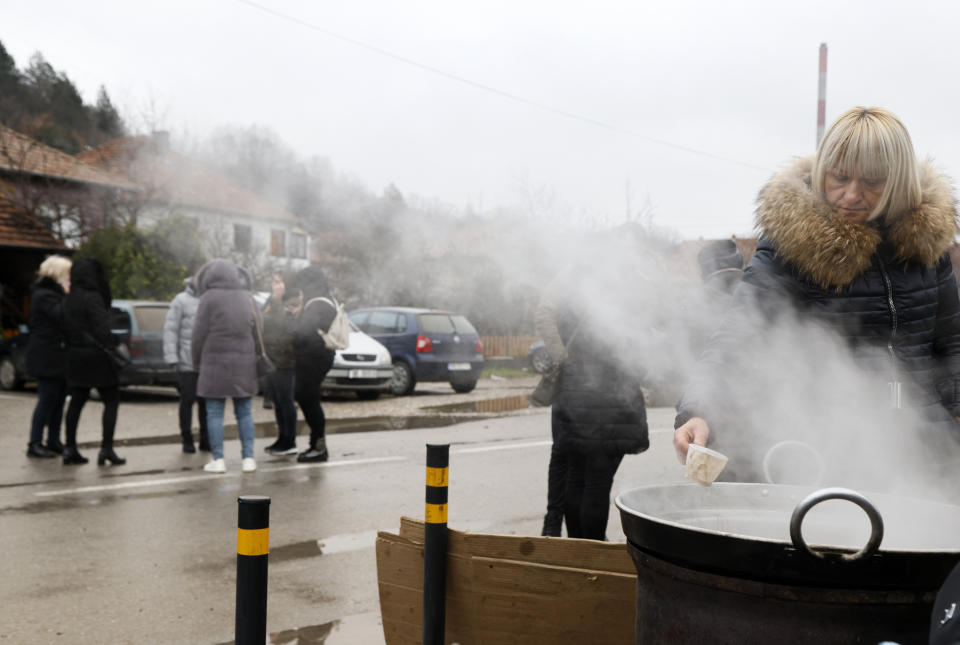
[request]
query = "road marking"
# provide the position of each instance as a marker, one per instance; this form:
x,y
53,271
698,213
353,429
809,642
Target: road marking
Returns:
x,y
208,477
512,446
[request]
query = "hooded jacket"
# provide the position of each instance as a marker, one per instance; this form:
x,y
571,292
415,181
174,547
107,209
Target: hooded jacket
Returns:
x,y
46,349
86,310
885,289
223,348
178,328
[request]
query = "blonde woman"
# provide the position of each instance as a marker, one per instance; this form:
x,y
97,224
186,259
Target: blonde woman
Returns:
x,y
46,355
854,240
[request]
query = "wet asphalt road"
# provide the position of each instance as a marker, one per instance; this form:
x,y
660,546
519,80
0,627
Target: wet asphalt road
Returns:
x,y
146,552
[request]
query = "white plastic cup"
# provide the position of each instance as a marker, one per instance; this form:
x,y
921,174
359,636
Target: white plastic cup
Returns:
x,y
704,465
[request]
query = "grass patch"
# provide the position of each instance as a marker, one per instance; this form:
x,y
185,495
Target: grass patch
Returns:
x,y
507,372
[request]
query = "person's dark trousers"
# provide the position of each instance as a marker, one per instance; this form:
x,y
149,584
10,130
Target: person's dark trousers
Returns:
x,y
51,395
188,395
285,408
307,382
587,494
266,387
556,483
110,397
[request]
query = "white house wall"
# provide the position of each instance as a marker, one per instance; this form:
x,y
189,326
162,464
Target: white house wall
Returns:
x,y
217,229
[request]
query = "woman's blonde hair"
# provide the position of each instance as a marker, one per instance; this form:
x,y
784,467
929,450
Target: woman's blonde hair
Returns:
x,y
55,267
871,142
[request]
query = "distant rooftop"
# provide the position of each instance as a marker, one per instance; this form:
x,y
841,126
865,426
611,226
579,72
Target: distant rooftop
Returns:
x,y
149,161
22,155
18,229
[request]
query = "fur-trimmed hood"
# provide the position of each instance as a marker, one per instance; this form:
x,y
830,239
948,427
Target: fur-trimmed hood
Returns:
x,y
832,252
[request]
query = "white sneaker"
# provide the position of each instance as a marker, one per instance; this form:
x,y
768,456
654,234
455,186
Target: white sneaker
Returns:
x,y
215,466
249,465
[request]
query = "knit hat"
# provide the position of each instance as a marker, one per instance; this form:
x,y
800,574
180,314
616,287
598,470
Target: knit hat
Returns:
x,y
717,256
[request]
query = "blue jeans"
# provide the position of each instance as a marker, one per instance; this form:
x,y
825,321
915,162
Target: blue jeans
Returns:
x,y
243,411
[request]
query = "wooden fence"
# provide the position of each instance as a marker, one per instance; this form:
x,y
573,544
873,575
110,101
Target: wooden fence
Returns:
x,y
512,346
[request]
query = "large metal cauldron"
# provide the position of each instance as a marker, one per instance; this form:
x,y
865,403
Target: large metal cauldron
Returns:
x,y
722,564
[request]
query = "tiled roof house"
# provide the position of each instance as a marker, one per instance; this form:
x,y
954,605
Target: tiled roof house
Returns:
x,y
35,182
224,212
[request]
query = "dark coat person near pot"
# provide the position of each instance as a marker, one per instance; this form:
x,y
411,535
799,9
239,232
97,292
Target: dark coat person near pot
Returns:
x,y
598,414
854,245
47,355
87,327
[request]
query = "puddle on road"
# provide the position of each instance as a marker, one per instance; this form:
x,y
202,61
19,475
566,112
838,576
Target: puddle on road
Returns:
x,y
360,628
489,406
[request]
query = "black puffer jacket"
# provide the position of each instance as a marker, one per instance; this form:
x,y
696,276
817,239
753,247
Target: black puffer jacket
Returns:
x,y
599,406
885,290
312,353
46,350
87,309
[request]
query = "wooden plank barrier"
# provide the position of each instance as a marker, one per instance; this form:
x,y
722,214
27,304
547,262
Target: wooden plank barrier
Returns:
x,y
505,589
507,346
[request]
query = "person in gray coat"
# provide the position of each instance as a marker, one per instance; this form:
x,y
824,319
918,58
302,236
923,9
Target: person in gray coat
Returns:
x,y
177,337
224,354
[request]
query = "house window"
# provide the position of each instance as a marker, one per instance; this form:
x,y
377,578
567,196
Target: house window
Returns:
x,y
242,237
278,243
298,245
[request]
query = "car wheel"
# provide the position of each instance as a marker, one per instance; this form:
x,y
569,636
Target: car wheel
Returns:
x,y
463,386
368,395
402,382
8,375
540,360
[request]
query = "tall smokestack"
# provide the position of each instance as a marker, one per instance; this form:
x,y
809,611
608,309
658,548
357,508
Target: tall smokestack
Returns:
x,y
822,93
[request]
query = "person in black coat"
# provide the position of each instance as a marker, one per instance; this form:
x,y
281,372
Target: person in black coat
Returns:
x,y
852,272
314,358
598,414
87,327
46,355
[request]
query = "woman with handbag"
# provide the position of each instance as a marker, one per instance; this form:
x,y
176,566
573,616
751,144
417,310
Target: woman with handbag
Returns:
x,y
225,355
86,314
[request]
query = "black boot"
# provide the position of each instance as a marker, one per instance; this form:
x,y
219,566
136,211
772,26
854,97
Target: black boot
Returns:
x,y
54,446
317,452
109,455
71,457
188,446
37,451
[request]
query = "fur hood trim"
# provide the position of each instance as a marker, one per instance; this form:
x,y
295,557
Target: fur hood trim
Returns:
x,y
832,252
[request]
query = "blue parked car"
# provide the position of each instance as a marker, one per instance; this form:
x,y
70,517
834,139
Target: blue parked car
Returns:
x,y
426,345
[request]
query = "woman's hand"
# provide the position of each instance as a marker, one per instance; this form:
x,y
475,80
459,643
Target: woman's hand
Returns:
x,y
695,431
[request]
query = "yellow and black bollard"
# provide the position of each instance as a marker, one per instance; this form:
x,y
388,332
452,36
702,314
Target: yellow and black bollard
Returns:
x,y
253,552
435,544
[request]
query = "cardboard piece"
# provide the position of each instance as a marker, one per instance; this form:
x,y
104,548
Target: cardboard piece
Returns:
x,y
510,589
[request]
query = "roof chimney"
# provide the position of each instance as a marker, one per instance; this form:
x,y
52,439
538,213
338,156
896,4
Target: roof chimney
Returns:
x,y
160,141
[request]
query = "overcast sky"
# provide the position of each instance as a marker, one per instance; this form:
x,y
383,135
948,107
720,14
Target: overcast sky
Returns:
x,y
736,81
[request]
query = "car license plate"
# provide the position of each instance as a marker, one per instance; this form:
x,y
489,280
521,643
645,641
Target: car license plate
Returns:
x,y
362,374
458,367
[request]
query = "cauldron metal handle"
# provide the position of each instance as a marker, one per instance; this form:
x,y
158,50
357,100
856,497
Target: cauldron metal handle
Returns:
x,y
876,522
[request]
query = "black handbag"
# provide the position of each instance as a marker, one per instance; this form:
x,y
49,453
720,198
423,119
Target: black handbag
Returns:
x,y
265,366
546,390
119,356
